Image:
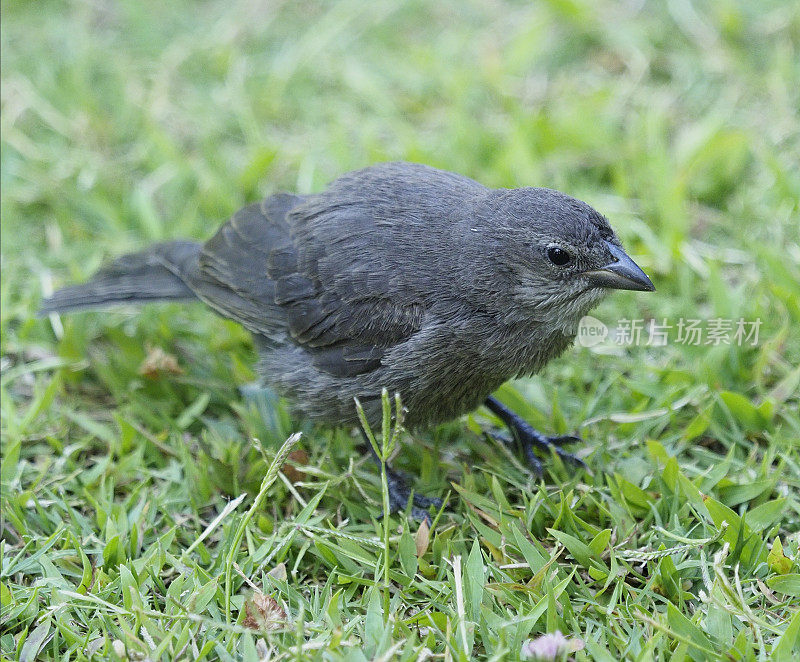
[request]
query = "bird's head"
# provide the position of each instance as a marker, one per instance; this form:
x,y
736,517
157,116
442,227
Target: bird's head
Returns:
x,y
556,256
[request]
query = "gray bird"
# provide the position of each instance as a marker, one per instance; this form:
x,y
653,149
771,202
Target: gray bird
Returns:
x,y
398,276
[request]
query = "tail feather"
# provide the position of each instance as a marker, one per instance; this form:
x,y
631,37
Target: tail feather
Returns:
x,y
159,273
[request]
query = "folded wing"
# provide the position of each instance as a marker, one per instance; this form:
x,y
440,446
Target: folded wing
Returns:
x,y
288,270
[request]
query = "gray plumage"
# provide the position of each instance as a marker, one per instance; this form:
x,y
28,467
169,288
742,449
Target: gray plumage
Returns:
x,y
399,276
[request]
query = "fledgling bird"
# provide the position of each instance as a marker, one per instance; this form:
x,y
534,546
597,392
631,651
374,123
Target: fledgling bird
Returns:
x,y
398,276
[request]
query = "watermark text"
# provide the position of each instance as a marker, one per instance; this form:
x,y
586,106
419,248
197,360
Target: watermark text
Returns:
x,y
658,333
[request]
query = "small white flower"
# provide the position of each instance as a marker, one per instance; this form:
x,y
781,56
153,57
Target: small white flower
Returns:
x,y
550,647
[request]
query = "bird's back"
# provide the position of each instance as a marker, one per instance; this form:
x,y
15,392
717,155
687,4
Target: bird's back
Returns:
x,y
341,274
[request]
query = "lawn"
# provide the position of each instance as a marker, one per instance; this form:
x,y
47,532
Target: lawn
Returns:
x,y
149,507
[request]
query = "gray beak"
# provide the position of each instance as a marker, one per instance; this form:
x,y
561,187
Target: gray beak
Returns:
x,y
622,274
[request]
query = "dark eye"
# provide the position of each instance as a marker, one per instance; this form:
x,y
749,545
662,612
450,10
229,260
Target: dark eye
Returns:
x,y
558,256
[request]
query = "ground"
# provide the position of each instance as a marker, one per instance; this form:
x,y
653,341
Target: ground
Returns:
x,y
147,510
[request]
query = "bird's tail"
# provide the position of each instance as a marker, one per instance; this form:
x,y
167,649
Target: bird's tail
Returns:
x,y
159,273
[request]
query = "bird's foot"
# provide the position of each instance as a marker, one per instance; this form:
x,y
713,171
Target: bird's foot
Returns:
x,y
530,440
400,492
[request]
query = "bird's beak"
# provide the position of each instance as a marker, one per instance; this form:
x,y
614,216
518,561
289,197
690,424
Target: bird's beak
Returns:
x,y
622,274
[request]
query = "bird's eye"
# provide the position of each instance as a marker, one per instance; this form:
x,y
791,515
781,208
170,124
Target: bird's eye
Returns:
x,y
558,256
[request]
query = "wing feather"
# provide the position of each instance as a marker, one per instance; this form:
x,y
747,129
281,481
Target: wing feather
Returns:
x,y
283,285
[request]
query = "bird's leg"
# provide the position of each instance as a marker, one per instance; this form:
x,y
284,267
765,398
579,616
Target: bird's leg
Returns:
x,y
529,438
399,491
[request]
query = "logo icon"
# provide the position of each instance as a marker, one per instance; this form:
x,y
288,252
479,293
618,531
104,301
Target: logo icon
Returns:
x,y
591,331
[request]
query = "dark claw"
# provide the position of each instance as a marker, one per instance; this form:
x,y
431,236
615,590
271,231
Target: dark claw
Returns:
x,y
569,458
417,514
541,443
426,502
529,439
399,493
534,462
564,440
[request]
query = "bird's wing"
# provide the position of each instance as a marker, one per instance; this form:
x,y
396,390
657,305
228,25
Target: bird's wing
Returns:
x,y
232,276
285,277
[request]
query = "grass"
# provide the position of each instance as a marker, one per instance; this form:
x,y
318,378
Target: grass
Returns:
x,y
146,509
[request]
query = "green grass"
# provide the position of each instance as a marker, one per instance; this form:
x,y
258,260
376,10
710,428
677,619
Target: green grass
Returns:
x,y
123,530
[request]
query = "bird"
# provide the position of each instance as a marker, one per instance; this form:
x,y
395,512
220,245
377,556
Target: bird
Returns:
x,y
397,276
